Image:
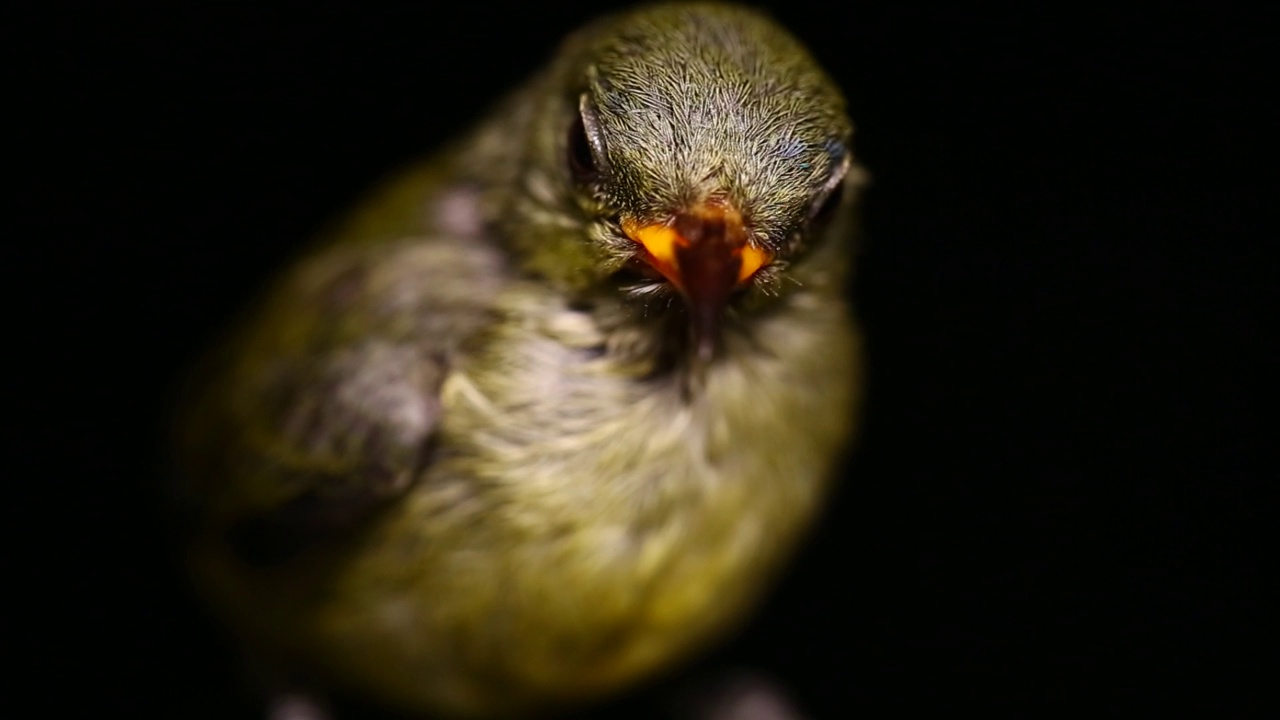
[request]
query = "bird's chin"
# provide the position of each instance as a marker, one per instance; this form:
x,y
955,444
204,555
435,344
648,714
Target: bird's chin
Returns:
x,y
657,309
679,329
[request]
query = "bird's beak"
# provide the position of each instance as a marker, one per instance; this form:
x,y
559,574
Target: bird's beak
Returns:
x,y
703,252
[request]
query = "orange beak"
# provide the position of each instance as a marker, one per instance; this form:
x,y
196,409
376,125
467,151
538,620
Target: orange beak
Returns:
x,y
705,254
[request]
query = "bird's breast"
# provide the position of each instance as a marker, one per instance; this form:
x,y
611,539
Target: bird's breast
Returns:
x,y
583,524
643,513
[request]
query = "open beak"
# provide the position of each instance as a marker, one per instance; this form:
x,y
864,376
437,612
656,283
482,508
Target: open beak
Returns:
x,y
705,254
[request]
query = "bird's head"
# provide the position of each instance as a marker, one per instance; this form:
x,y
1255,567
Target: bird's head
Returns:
x,y
690,152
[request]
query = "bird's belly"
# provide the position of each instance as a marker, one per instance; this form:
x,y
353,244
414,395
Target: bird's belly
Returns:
x,y
558,619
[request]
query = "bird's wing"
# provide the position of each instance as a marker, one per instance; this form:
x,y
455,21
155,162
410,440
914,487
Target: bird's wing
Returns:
x,y
325,406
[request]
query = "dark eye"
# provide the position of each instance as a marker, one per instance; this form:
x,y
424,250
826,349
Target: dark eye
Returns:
x,y
826,207
581,162
585,144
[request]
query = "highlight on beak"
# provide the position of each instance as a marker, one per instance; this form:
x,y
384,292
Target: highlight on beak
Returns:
x,y
704,253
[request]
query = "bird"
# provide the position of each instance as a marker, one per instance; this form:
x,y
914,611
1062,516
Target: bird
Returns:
x,y
548,412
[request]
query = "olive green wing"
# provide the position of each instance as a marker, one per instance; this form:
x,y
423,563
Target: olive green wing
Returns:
x,y
325,404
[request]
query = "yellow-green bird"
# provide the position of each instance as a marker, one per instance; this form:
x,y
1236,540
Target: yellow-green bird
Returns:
x,y
547,413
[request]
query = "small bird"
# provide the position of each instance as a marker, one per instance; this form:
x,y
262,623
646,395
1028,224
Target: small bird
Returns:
x,y
548,412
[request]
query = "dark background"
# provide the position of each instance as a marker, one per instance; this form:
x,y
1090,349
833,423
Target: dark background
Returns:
x,y
1056,500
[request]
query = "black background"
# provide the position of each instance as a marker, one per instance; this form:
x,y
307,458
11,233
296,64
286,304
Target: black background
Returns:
x,y
1056,500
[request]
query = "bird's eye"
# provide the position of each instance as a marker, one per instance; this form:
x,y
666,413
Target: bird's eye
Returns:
x,y
581,163
585,146
826,207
